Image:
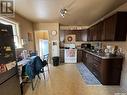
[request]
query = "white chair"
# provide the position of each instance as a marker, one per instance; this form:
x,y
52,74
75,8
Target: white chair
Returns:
x,y
45,58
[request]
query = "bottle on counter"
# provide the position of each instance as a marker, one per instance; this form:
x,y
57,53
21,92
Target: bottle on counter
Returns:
x,y
115,50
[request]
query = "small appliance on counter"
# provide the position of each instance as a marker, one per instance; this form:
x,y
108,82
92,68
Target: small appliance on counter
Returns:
x,y
86,46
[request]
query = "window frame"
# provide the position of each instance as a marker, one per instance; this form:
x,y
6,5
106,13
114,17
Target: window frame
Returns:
x,y
16,32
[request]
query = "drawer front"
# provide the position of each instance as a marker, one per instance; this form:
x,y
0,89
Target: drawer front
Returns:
x,y
97,59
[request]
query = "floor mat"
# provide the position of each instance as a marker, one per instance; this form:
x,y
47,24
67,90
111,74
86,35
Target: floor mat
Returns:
x,y
87,76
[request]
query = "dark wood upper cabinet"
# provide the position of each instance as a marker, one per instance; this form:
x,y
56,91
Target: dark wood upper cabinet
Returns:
x,y
94,32
109,28
99,30
113,28
90,32
81,35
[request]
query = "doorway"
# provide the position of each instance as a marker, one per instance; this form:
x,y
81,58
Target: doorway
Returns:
x,y
43,45
42,42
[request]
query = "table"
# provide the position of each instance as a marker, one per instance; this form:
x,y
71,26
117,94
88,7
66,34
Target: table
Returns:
x,y
23,63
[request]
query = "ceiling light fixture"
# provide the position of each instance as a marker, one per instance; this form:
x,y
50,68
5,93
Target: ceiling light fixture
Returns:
x,y
63,12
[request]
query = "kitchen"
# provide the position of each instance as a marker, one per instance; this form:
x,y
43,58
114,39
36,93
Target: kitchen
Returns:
x,y
81,34
100,43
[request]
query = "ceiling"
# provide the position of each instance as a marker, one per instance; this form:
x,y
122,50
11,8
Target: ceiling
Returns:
x,y
80,12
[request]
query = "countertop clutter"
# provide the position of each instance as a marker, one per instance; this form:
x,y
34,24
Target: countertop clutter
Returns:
x,y
103,55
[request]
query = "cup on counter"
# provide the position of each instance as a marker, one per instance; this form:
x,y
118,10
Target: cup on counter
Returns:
x,y
107,52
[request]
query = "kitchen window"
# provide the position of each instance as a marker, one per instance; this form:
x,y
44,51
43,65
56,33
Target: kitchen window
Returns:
x,y
16,34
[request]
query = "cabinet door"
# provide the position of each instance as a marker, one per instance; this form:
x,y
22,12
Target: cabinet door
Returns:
x,y
97,67
109,28
99,31
84,57
61,55
94,33
88,34
79,55
89,61
121,28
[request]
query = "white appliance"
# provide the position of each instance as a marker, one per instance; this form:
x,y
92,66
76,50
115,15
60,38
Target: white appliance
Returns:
x,y
69,45
70,56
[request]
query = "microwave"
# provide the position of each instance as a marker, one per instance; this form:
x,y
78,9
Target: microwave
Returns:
x,y
86,46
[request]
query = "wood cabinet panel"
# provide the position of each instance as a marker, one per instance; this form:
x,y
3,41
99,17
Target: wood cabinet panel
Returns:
x,y
81,35
112,28
104,69
115,27
94,32
84,57
99,31
121,27
88,35
61,55
109,28
79,55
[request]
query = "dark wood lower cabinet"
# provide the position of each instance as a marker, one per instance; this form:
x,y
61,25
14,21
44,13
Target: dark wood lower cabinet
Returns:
x,y
79,55
107,71
84,57
111,73
61,55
